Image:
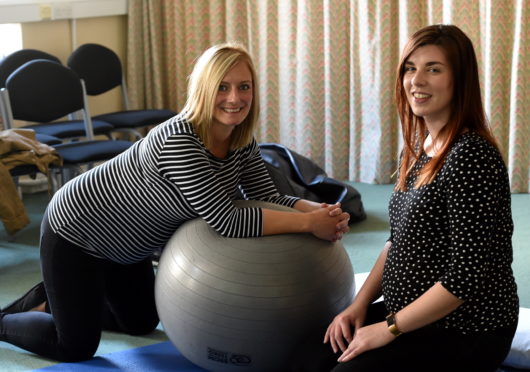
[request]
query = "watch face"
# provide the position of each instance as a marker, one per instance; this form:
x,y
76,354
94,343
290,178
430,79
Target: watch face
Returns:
x,y
394,330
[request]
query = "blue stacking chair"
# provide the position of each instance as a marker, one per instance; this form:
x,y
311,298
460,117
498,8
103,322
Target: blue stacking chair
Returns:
x,y
7,65
46,132
42,91
101,70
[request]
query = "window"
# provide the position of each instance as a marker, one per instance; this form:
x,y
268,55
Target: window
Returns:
x,y
11,38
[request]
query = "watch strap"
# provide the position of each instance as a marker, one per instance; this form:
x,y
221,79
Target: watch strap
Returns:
x,y
392,326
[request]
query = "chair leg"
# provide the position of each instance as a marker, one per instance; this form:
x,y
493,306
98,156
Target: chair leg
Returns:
x,y
130,132
57,177
52,182
137,135
15,181
66,175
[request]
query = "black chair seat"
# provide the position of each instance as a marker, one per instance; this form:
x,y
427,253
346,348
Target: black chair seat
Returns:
x,y
22,170
71,128
78,153
90,151
47,140
136,118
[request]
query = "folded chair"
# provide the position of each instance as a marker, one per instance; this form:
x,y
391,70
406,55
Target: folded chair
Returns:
x,y
42,91
101,70
67,130
7,65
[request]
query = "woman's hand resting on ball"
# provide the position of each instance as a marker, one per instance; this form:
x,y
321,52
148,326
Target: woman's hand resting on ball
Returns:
x,y
325,221
329,222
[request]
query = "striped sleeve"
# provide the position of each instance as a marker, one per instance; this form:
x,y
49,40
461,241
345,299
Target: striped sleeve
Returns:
x,y
184,162
256,183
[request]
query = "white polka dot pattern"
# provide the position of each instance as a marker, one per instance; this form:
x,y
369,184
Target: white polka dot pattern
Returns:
x,y
457,231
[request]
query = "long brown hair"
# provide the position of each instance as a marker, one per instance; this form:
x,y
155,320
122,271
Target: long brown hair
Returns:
x,y
467,111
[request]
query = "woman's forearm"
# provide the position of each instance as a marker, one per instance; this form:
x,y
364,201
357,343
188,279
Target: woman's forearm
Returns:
x,y
279,222
327,223
304,205
371,289
433,305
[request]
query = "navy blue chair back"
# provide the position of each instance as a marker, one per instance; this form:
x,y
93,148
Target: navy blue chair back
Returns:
x,y
101,70
16,59
43,91
98,66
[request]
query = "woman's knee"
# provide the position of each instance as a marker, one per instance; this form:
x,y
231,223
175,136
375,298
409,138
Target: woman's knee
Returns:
x,y
77,351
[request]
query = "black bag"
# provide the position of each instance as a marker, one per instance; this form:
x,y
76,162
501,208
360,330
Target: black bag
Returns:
x,y
296,175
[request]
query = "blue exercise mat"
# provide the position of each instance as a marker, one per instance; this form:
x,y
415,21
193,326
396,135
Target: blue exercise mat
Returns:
x,y
157,357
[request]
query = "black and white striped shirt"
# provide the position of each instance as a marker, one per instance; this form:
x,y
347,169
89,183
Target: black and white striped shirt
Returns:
x,y
131,205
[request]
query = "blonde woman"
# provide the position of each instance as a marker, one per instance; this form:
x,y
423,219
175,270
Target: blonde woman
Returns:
x,y
101,228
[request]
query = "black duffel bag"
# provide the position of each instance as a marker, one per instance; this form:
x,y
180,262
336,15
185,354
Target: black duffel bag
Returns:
x,y
296,175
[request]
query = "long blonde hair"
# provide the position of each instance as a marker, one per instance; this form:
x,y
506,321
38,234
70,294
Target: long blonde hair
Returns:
x,y
203,85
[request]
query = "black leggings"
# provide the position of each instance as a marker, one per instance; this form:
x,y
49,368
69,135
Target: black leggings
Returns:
x,y
430,349
85,294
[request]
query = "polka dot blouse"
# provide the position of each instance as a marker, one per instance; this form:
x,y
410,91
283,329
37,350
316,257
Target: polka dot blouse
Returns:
x,y
456,231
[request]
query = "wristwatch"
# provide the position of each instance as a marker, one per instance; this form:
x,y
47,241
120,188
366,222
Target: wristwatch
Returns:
x,y
392,326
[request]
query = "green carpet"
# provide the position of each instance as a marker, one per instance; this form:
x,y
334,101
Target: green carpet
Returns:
x,y
19,264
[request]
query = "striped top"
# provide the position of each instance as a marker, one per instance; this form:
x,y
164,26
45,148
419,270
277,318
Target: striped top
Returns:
x,y
131,205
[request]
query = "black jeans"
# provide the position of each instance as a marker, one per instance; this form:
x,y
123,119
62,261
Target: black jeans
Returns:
x,y
430,348
86,294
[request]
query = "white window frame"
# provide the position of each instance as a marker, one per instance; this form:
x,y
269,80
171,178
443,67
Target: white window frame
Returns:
x,y
20,11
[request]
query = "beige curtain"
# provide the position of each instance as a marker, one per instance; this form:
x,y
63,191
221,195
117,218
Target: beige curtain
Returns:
x,y
327,69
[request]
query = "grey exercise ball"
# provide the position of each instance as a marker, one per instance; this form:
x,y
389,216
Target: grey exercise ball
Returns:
x,y
232,304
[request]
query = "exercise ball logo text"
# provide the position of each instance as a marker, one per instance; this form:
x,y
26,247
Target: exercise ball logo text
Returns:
x,y
228,358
